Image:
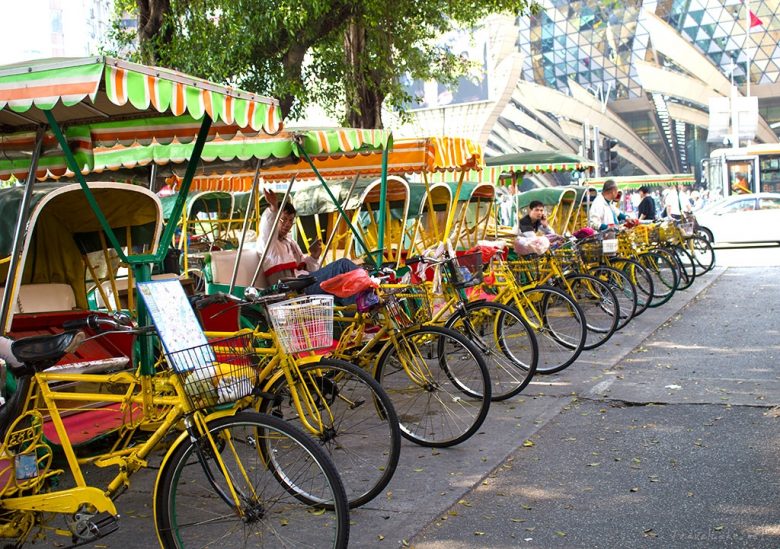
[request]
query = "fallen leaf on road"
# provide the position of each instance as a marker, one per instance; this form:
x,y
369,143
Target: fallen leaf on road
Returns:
x,y
528,443
559,533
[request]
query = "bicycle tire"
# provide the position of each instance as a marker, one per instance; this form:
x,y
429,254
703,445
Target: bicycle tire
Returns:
x,y
641,280
361,434
559,325
664,276
186,500
451,397
687,267
600,305
512,354
625,291
703,252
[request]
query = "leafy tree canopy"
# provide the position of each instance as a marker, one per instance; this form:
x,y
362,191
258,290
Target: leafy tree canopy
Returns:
x,y
349,56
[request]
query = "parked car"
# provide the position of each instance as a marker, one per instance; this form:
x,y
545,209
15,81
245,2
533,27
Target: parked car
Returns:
x,y
742,218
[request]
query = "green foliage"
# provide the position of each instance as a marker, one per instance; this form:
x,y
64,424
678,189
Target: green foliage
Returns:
x,y
347,56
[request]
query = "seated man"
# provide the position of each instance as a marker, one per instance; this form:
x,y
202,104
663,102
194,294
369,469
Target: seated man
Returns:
x,y
284,257
535,221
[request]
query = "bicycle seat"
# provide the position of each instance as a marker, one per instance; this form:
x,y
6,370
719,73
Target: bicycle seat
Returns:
x,y
36,353
298,284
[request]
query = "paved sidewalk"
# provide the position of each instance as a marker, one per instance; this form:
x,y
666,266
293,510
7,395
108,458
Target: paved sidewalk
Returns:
x,y
674,444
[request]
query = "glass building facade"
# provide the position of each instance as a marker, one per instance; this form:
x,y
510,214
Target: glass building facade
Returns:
x,y
648,61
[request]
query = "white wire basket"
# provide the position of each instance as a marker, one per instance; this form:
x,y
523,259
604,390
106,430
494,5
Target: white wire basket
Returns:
x,y
304,323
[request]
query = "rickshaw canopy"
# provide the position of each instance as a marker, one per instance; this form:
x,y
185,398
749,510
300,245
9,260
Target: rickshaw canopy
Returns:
x,y
533,162
549,196
63,228
104,102
636,181
407,156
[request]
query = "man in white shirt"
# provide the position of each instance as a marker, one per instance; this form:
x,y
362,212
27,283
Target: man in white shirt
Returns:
x,y
602,214
674,201
284,257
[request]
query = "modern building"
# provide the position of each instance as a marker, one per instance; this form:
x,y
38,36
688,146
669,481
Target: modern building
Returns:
x,y
642,71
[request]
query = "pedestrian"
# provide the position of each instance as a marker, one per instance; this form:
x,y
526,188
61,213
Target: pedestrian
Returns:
x,y
646,208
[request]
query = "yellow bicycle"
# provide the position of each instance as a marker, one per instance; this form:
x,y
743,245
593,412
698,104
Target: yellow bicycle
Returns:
x,y
227,476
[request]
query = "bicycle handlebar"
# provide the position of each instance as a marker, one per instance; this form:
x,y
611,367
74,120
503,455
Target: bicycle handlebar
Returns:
x,y
120,323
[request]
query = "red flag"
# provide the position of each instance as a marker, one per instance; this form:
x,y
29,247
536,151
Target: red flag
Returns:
x,y
754,20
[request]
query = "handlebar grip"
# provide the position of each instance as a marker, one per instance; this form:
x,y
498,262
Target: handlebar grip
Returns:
x,y
203,301
86,322
413,260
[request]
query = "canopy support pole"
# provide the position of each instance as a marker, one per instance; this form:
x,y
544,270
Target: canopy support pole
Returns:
x,y
21,224
250,209
335,228
431,210
342,213
382,212
451,214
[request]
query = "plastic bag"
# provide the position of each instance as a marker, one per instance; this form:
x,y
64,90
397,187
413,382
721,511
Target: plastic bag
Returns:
x,y
348,284
525,245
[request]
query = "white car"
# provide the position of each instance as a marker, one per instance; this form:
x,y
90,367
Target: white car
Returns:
x,y
742,218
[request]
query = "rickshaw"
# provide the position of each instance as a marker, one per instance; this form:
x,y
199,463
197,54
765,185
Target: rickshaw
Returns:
x,y
559,204
86,92
205,225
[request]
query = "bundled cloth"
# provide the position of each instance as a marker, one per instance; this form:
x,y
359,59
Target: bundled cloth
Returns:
x,y
526,245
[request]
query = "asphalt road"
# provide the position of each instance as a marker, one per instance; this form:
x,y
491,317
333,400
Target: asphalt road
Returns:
x,y
665,437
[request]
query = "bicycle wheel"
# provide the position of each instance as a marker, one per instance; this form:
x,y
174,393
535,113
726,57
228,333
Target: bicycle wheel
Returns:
x,y
600,305
625,291
702,252
559,325
663,273
194,506
641,280
359,426
506,341
438,383
687,267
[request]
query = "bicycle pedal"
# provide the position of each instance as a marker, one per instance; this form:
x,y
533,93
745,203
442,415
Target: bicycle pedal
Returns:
x,y
100,526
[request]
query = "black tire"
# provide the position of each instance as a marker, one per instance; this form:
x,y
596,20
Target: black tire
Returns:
x,y
702,252
601,307
664,275
450,397
687,267
272,515
641,280
559,325
507,343
361,434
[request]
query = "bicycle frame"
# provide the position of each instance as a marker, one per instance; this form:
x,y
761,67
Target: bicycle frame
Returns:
x,y
163,404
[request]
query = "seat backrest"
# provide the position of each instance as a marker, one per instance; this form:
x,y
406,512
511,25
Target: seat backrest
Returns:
x,y
222,267
44,298
121,287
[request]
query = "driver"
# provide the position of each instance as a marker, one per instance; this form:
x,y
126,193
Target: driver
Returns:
x,y
284,258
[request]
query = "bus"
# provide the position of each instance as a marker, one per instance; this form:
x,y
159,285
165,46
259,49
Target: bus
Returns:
x,y
759,164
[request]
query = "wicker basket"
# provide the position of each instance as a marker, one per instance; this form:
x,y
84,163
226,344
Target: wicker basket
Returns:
x,y
304,323
218,372
466,270
407,306
590,251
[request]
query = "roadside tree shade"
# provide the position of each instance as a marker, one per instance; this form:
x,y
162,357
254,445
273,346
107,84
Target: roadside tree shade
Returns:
x,y
77,92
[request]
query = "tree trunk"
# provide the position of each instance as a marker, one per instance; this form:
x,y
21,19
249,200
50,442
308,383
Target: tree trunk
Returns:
x,y
151,16
363,97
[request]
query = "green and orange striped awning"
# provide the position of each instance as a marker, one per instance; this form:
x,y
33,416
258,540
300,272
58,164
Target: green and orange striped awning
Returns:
x,y
407,156
636,181
121,103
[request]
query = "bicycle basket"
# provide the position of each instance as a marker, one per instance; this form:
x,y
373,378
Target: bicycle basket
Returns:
x,y
218,372
408,306
466,270
590,251
304,323
687,229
